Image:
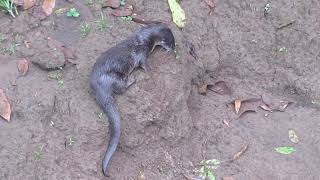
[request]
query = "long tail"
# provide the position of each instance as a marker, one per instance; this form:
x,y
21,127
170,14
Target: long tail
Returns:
x,y
106,102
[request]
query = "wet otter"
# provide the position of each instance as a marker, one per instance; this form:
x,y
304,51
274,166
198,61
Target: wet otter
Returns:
x,y
111,74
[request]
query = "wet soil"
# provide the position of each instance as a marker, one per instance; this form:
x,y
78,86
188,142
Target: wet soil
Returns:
x,y
58,132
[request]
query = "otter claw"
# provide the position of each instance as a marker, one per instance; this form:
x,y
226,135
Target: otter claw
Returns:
x,y
131,80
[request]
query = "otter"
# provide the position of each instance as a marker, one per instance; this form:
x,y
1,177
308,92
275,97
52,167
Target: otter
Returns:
x,y
111,74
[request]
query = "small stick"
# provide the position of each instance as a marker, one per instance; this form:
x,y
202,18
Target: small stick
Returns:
x,y
54,103
286,24
240,153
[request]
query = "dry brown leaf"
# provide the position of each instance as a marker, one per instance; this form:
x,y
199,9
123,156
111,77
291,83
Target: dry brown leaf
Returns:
x,y
227,178
5,107
139,19
220,87
283,105
209,3
249,105
27,4
23,67
27,44
275,104
237,105
111,3
48,6
240,153
265,107
203,89
226,123
125,11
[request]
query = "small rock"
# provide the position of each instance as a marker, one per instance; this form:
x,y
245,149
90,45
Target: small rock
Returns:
x,y
49,60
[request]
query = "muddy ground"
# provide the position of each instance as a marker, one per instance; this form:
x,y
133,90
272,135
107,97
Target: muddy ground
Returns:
x,y
58,132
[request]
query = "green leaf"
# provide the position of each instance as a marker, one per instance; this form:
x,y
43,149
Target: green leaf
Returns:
x,y
123,2
293,136
73,13
211,176
126,18
178,15
285,150
213,162
283,49
71,141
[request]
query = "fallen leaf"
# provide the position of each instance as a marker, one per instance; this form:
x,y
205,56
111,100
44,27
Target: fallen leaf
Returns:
x,y
285,150
209,3
283,105
226,123
60,11
27,44
27,4
111,3
23,67
125,11
5,107
178,15
48,6
139,19
249,105
293,136
203,89
211,162
227,178
241,152
73,12
211,176
237,105
220,87
265,107
275,104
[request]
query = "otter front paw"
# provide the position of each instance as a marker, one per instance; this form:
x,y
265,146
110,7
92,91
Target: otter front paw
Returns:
x,y
131,80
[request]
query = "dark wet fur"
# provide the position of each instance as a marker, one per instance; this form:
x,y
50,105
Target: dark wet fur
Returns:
x,y
111,74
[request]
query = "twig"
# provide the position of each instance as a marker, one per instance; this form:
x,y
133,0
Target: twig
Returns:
x,y
54,109
286,24
240,153
69,109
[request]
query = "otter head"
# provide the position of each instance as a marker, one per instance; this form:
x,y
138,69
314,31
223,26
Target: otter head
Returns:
x,y
157,35
165,38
